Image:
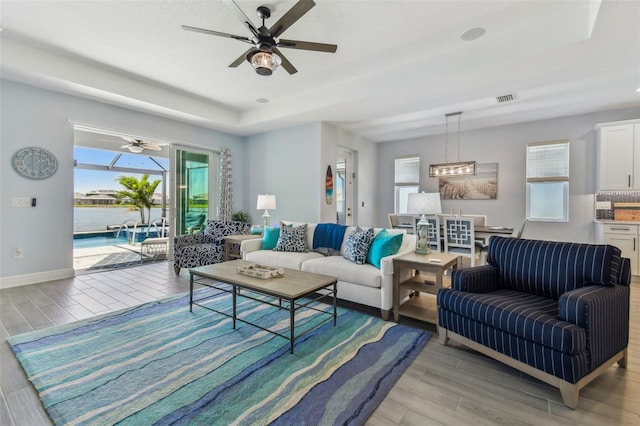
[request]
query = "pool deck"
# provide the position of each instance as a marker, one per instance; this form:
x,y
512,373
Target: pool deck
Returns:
x,y
86,258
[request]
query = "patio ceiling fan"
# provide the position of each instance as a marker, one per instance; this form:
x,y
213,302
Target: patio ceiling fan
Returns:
x,y
264,54
139,145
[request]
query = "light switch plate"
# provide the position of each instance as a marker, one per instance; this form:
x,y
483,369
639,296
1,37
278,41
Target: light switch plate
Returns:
x,y
21,202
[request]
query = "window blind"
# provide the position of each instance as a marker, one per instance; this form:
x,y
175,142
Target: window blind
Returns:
x,y
548,161
407,170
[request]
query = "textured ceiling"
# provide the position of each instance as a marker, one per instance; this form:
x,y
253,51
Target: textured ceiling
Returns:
x,y
400,65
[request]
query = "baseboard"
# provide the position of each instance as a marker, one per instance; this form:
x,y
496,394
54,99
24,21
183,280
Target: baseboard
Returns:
x,y
39,277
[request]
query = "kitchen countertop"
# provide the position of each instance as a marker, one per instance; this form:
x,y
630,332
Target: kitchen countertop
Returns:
x,y
617,222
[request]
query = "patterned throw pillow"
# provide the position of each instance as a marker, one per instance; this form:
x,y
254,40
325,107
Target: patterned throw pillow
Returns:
x,y
357,245
292,239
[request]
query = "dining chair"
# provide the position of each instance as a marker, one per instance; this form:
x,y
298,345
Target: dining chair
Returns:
x,y
393,220
520,231
459,236
482,243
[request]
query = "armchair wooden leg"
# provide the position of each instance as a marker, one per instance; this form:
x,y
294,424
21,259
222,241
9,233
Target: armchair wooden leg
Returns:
x,y
442,335
622,362
176,269
385,314
569,394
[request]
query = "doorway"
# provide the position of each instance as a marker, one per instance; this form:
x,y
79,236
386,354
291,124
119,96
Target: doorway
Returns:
x,y
113,179
344,187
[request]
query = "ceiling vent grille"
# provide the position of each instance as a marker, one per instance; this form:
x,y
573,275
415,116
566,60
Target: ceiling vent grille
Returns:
x,y
505,98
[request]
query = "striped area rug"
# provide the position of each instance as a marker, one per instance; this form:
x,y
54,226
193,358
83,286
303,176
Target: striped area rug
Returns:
x,y
161,364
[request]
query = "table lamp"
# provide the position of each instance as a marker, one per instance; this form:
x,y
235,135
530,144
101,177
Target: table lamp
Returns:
x,y
423,203
266,203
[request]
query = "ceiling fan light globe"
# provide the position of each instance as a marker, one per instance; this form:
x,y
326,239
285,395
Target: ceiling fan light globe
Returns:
x,y
135,148
265,63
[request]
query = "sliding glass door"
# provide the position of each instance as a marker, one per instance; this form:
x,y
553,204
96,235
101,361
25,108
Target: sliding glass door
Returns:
x,y
196,189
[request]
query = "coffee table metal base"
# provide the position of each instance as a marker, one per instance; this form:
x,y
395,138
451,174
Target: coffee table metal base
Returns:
x,y
293,305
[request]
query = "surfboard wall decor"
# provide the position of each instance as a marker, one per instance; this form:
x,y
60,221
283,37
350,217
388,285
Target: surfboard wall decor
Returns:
x,y
329,185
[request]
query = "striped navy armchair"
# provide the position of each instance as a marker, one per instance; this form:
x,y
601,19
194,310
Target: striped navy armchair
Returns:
x,y
554,310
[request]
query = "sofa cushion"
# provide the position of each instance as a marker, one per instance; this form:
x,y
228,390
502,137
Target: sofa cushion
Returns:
x,y
292,239
291,260
532,317
345,270
270,238
357,245
549,268
383,244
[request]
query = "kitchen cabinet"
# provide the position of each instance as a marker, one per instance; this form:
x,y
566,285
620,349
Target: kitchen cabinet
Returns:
x,y
625,237
619,156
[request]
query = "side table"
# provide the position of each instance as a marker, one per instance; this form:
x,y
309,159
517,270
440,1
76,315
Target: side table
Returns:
x,y
231,240
436,263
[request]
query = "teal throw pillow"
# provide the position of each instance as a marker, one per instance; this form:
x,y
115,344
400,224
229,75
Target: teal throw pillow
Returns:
x,y
384,244
270,238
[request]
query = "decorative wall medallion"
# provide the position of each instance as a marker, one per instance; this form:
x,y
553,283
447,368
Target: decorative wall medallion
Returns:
x,y
34,163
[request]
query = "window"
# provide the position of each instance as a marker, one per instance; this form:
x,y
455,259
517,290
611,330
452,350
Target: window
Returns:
x,y
548,181
407,181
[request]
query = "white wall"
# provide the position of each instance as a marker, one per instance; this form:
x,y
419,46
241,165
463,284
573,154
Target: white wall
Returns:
x,y
292,163
35,117
285,163
365,184
506,145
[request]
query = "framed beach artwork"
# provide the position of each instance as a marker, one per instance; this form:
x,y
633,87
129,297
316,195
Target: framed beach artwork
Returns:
x,y
482,186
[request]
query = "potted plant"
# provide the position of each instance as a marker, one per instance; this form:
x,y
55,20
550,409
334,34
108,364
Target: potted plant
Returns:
x,y
241,216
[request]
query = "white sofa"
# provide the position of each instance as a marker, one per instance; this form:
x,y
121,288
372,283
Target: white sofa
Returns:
x,y
364,284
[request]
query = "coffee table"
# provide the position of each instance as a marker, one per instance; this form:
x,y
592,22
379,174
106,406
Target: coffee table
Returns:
x,y
291,288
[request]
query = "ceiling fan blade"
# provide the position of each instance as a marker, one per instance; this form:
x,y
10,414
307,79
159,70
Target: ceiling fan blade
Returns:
x,y
289,18
241,58
285,62
233,6
216,33
153,147
308,45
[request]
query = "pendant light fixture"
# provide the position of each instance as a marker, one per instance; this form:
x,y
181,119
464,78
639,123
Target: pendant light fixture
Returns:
x,y
460,168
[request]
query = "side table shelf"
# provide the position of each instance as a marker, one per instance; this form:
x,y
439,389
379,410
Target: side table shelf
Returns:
x,y
421,308
232,241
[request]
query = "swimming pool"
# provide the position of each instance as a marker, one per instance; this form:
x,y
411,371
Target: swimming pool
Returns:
x,y
97,239
108,238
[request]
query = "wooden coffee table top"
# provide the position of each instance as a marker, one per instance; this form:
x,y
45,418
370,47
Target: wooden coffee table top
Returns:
x,y
292,285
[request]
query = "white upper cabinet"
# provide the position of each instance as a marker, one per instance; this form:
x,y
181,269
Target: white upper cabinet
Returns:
x,y
619,156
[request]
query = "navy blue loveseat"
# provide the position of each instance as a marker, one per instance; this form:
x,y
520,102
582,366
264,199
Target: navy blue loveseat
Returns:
x,y
554,310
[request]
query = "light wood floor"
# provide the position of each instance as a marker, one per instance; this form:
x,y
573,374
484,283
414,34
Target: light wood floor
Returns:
x,y
447,385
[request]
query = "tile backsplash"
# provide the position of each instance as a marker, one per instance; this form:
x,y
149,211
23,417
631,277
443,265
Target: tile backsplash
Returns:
x,y
608,202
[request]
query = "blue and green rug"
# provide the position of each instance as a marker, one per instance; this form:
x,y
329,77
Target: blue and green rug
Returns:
x,y
158,363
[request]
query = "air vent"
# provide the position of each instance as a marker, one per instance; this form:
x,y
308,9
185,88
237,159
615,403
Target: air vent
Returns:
x,y
505,98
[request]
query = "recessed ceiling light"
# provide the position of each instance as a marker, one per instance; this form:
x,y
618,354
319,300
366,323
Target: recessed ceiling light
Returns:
x,y
473,34
262,100
638,89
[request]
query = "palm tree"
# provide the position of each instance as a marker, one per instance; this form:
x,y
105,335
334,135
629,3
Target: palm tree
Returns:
x,y
139,191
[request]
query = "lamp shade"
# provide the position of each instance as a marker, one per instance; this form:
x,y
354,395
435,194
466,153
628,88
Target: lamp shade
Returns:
x,y
266,202
424,203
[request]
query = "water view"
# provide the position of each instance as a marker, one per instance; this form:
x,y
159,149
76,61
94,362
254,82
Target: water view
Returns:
x,y
98,218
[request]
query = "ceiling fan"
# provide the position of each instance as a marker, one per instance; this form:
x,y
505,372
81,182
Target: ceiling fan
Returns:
x,y
264,55
139,145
